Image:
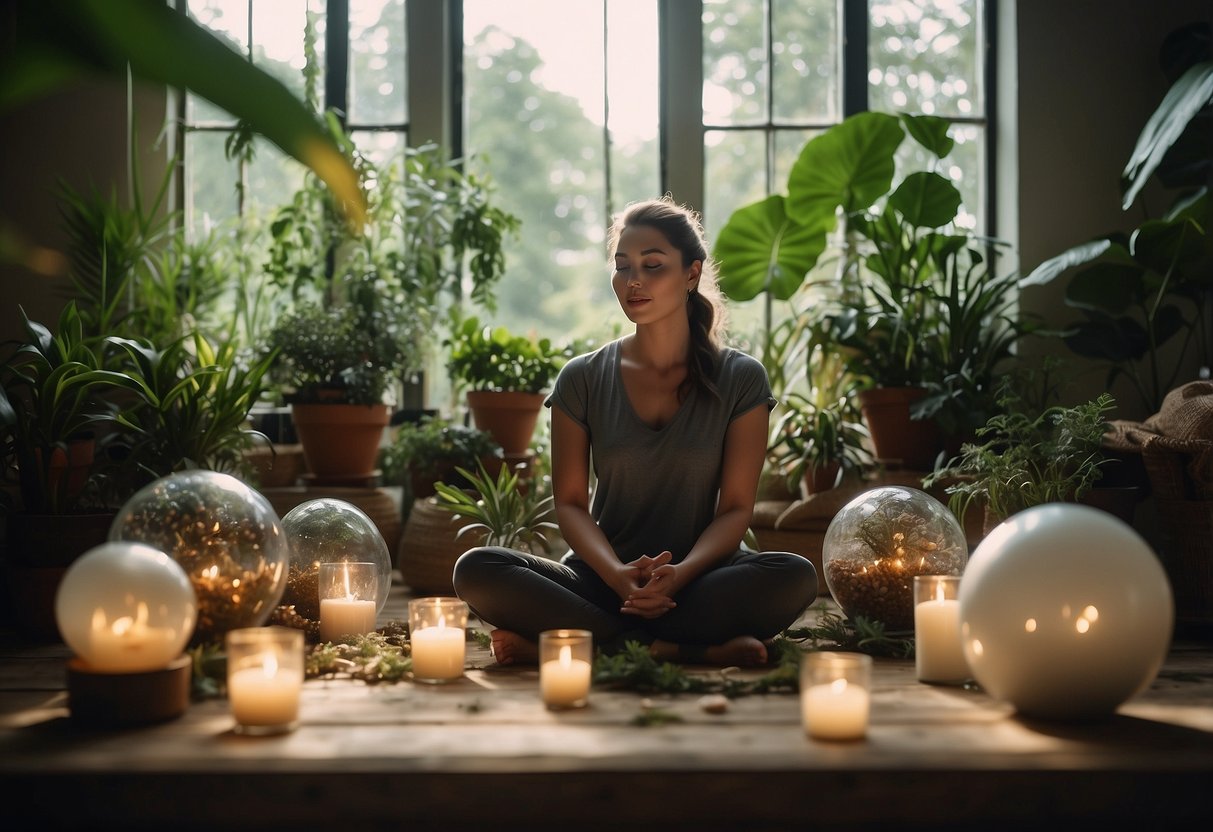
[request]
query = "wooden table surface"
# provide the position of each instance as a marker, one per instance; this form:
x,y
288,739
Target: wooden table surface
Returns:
x,y
484,753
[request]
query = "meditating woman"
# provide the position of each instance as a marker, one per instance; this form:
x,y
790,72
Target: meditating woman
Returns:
x,y
675,426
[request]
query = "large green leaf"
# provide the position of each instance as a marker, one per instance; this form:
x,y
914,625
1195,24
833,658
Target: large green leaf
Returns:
x,y
1111,287
1190,93
761,250
1167,245
926,200
1079,255
851,166
59,40
931,132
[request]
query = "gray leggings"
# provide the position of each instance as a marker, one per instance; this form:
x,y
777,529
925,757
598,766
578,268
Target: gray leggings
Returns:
x,y
750,593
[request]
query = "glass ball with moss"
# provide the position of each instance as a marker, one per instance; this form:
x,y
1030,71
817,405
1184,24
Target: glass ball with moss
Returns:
x,y
879,541
432,450
329,530
226,536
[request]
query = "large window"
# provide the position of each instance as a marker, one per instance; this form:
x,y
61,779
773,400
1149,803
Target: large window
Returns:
x,y
575,107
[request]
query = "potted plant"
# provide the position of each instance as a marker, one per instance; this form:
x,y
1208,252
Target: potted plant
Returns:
x,y
903,275
1025,457
424,453
506,376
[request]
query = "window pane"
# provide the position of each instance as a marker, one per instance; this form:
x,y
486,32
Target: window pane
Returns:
x,y
533,86
278,35
632,97
735,68
805,57
228,20
788,144
926,57
210,183
734,174
377,62
380,146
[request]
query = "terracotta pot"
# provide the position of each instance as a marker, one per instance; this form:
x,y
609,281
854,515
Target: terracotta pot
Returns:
x,y
819,479
898,440
38,550
340,441
510,417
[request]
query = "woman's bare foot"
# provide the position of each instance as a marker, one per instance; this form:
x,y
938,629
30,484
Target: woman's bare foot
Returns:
x,y
742,651
511,648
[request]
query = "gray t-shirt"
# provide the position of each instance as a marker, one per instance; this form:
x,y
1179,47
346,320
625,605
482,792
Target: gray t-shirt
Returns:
x,y
656,489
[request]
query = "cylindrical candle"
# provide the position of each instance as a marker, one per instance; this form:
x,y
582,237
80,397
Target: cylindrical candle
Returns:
x,y
834,695
348,593
129,643
265,678
565,667
436,634
938,648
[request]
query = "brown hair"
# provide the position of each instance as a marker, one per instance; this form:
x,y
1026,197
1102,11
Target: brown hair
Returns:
x,y
705,310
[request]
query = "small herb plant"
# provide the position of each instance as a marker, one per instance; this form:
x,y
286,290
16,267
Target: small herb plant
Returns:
x,y
509,514
493,358
431,451
1025,460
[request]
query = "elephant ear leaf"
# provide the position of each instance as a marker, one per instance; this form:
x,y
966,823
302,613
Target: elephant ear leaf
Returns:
x,y
850,166
158,44
760,249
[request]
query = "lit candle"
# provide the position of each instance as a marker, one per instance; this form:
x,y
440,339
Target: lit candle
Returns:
x,y
564,682
345,611
438,652
265,696
938,647
835,711
127,644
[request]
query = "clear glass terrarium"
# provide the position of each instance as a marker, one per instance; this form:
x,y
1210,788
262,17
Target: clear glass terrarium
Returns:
x,y
329,530
878,543
226,536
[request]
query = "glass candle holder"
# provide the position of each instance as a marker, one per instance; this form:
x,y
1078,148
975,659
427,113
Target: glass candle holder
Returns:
x,y
938,649
566,660
439,643
348,593
265,678
834,695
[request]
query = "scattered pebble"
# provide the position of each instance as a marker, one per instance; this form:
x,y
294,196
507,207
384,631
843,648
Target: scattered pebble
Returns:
x,y
714,703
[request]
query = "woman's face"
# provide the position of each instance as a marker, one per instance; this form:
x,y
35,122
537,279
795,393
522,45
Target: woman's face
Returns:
x,y
649,280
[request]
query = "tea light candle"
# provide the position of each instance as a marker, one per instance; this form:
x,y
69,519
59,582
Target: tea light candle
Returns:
x,y
565,681
938,647
834,695
265,678
436,632
439,652
348,594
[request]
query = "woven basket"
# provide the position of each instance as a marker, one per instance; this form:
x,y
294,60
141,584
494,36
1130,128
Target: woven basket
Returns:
x,y
1185,525
428,548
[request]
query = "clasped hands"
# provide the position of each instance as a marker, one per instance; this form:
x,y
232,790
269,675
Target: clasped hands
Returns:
x,y
650,585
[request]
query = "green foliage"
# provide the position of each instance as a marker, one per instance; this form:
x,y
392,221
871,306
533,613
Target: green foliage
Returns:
x,y
493,358
510,513
1027,458
860,634
370,657
634,668
192,409
53,392
431,450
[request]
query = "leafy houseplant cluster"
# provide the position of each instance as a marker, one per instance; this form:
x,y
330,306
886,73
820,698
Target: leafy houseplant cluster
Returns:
x,y
1024,458
888,277
509,512
431,451
483,357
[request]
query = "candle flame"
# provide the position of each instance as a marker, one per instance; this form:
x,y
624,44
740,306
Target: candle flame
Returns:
x,y
269,667
441,621
838,687
566,657
939,591
345,569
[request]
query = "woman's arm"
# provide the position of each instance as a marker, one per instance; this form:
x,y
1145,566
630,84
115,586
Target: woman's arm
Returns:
x,y
745,446
571,494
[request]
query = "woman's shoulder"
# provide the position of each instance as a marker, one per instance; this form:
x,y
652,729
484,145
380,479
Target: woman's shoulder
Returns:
x,y
595,361
735,362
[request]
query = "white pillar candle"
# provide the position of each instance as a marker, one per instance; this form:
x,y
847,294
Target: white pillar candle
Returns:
x,y
345,616
564,682
265,695
438,652
127,644
938,647
835,711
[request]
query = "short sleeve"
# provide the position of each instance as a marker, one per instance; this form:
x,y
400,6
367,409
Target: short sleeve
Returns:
x,y
571,391
749,385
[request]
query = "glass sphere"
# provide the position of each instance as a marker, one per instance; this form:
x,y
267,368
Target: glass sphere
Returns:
x,y
1065,612
226,536
879,541
125,608
330,531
